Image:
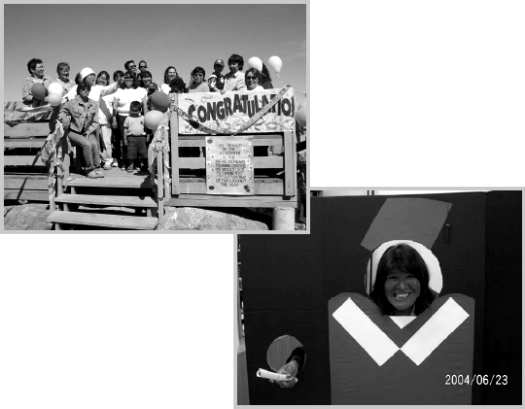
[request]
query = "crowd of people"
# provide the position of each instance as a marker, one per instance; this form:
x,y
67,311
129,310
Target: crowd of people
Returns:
x,y
104,115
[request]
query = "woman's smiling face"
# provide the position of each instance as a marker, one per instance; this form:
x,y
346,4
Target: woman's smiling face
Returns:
x,y
402,290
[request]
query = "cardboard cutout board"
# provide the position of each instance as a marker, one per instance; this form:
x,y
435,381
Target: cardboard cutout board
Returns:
x,y
374,361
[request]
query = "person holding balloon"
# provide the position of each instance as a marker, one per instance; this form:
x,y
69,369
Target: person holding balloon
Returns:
x,y
79,118
216,79
34,89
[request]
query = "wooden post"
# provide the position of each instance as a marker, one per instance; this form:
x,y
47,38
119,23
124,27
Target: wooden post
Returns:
x,y
174,136
284,218
290,164
160,183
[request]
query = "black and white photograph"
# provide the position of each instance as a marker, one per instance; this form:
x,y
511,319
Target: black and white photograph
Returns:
x,y
163,117
397,297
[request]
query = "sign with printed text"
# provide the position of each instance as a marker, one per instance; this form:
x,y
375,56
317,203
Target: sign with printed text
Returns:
x,y
229,112
229,165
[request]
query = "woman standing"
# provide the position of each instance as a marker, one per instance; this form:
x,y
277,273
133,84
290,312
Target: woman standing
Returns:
x,y
122,100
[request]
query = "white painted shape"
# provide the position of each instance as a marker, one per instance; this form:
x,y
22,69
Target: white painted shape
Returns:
x,y
438,327
402,320
365,332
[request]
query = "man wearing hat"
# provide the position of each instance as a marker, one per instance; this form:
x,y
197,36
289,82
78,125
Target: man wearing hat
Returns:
x,y
216,79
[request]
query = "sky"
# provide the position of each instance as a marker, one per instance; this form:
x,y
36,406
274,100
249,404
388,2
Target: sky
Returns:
x,y
104,36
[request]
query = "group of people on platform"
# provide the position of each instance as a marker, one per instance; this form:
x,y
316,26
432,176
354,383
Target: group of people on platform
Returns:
x,y
105,119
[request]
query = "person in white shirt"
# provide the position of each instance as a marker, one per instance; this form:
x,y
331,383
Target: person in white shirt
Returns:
x,y
105,116
122,100
234,80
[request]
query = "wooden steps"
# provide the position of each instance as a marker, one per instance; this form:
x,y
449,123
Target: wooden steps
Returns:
x,y
100,203
110,221
105,200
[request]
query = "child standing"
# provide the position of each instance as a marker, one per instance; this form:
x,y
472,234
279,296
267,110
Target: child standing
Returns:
x,y
135,138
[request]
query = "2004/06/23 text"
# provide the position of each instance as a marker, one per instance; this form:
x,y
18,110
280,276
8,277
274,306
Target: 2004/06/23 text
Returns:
x,y
476,379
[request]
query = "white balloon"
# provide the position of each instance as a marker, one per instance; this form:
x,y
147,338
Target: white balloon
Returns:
x,y
54,98
55,88
276,63
153,119
256,63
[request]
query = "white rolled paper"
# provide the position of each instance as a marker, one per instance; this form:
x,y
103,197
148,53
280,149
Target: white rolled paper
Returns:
x,y
274,376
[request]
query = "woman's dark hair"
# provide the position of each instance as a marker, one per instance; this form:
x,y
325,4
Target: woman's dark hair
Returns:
x,y
117,74
31,64
127,63
236,59
166,80
105,73
402,258
178,86
82,86
196,70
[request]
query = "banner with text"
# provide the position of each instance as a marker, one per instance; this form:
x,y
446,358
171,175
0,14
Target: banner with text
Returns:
x,y
229,112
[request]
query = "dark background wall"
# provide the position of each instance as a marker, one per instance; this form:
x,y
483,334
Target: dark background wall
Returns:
x,y
288,280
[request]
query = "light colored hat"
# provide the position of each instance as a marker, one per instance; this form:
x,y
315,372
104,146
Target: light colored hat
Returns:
x,y
435,281
84,72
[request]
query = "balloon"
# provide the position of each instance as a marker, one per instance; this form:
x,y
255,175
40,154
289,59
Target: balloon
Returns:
x,y
54,98
55,88
276,63
152,119
38,90
256,63
160,101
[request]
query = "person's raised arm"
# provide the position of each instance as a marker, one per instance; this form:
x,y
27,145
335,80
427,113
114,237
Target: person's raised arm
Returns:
x,y
110,89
